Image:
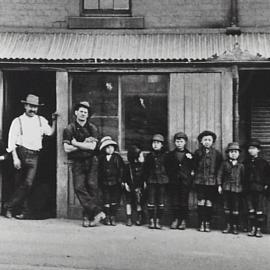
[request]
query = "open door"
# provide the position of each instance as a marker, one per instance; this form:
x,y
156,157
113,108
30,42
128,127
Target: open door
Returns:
x,y
17,85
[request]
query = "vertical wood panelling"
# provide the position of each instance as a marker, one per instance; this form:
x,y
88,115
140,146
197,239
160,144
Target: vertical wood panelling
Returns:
x,y
226,109
195,104
176,104
1,120
62,101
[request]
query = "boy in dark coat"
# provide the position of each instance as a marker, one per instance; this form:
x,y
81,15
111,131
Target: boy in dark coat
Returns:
x,y
110,174
207,161
230,181
256,184
180,179
156,178
134,184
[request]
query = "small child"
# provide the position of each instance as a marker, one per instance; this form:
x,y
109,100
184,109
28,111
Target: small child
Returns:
x,y
230,180
180,180
207,161
110,172
134,184
257,182
156,178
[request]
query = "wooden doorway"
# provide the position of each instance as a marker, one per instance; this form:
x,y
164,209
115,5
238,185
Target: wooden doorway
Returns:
x,y
17,84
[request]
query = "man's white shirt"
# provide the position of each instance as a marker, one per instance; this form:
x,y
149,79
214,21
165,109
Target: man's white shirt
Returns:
x,y
29,134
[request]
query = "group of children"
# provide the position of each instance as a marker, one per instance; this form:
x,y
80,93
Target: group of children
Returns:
x,y
159,173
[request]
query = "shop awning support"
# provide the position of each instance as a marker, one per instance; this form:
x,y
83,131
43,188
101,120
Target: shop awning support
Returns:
x,y
236,117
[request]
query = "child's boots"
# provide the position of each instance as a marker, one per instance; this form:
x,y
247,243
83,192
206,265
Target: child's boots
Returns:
x,y
183,225
158,225
174,224
227,229
139,218
129,221
151,223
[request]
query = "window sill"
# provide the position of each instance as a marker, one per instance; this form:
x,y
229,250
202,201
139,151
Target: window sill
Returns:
x,y
106,22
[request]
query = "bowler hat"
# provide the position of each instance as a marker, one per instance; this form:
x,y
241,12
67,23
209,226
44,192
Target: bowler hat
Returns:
x,y
254,142
105,141
158,137
180,135
32,100
207,133
233,146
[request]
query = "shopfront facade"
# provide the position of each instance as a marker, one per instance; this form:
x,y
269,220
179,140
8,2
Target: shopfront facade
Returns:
x,y
164,83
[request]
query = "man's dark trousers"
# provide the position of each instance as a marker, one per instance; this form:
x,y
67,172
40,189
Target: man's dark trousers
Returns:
x,y
24,178
85,184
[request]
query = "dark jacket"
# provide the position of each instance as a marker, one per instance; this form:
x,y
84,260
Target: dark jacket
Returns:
x,y
134,175
180,171
155,168
74,130
207,166
231,177
110,172
257,174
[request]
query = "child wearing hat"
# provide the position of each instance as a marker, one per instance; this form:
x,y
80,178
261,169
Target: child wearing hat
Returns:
x,y
180,179
155,176
230,181
110,174
134,184
256,184
207,161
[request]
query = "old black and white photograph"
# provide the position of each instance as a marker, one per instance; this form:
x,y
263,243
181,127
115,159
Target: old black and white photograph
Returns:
x,y
134,134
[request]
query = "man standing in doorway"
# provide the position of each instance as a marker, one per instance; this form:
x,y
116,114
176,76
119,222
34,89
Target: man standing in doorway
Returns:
x,y
25,143
80,141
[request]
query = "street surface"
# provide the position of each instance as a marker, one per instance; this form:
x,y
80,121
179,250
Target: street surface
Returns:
x,y
63,244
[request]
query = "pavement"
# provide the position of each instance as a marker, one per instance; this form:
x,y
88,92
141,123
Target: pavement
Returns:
x,y
63,244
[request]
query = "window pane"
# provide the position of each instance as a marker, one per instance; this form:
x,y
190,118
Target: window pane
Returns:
x,y
144,108
121,4
91,4
106,4
101,91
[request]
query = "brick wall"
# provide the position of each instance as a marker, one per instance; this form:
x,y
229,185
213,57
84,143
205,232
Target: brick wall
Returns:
x,y
37,13
157,13
254,13
183,13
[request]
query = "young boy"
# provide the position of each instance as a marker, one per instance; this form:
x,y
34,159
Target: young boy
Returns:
x,y
207,162
230,181
180,179
257,182
134,184
156,178
110,173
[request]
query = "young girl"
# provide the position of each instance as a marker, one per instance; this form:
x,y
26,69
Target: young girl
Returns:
x,y
230,180
156,178
180,176
134,184
207,161
110,172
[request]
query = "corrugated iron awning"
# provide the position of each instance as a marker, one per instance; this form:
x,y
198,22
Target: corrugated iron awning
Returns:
x,y
126,47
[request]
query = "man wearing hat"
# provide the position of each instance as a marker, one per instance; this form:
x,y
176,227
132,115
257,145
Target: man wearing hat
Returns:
x,y
256,184
80,141
25,142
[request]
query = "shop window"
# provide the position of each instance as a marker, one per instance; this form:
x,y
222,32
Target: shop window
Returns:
x,y
144,108
102,93
106,7
130,108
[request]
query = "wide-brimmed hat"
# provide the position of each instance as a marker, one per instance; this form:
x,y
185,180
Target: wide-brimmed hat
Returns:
x,y
32,100
233,146
158,137
254,142
207,133
105,141
180,135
